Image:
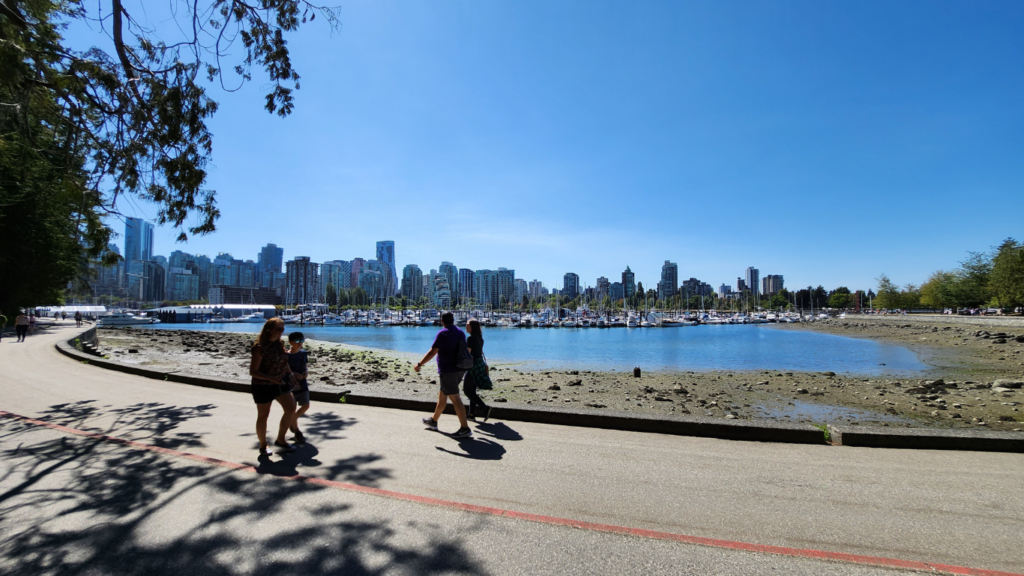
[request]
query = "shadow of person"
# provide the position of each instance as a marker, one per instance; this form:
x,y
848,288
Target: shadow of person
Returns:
x,y
477,449
288,463
499,431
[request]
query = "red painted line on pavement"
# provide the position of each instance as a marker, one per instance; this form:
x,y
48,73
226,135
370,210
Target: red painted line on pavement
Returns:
x,y
551,520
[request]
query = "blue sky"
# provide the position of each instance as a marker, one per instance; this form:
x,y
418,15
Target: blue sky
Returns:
x,y
828,142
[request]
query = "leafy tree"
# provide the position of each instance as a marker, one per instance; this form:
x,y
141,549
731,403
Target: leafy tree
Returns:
x,y
332,295
888,293
840,300
81,130
940,290
1007,277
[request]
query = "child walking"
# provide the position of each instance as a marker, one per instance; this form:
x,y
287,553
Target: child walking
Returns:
x,y
298,361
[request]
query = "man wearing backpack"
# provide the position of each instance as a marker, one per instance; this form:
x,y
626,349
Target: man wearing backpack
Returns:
x,y
452,356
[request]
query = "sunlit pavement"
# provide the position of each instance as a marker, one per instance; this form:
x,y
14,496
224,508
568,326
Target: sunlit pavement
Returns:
x,y
82,504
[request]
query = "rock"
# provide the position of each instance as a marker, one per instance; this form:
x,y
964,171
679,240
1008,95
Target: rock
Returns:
x,y
401,380
939,382
662,399
594,405
554,387
1007,419
678,389
764,383
1007,383
801,390
999,341
636,372
575,383
1020,338
829,374
1001,389
500,400
133,351
730,416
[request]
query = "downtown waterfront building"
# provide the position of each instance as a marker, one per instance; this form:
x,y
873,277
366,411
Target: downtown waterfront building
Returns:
x,y
268,262
138,247
628,283
451,274
302,281
669,280
467,285
388,268
571,285
412,282
752,280
771,284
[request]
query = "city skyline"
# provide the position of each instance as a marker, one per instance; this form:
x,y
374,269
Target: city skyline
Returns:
x,y
272,278
720,138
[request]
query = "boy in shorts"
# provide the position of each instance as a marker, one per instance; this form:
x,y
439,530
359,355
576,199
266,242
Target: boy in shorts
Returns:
x,y
297,361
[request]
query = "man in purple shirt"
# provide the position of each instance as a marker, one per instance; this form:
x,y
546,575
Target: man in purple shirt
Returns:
x,y
446,348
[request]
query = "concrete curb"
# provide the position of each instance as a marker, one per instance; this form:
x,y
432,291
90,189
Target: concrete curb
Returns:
x,y
747,430
928,439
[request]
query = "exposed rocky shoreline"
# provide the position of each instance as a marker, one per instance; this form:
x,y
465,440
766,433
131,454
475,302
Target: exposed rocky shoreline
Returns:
x,y
975,380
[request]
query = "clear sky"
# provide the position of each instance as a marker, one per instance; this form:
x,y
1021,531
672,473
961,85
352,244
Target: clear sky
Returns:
x,y
825,141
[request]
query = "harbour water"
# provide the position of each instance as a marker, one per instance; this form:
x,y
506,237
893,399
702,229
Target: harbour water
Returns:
x,y
699,348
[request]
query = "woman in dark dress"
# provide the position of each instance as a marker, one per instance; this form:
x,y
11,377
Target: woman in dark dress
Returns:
x,y
272,379
477,377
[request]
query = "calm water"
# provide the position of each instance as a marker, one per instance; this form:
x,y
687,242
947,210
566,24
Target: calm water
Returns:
x,y
690,348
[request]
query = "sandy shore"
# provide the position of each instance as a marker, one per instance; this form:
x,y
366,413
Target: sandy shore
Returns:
x,y
956,392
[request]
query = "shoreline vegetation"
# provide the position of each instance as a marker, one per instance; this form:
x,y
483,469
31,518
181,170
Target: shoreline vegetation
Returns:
x,y
973,381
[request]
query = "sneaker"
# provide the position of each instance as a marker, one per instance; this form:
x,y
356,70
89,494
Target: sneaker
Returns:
x,y
487,415
299,438
430,423
463,433
471,417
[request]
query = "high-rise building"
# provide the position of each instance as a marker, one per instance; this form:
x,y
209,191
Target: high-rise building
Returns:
x,y
357,267
520,290
386,258
724,291
771,284
372,282
628,283
602,288
138,241
753,280
337,273
268,262
442,291
669,280
571,285
428,286
466,285
451,273
694,287
412,282
302,281
615,291
184,285
506,286
485,286
741,284
535,288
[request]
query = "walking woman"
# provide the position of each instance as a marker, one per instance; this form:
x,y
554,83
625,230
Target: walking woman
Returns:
x,y
272,379
477,377
21,326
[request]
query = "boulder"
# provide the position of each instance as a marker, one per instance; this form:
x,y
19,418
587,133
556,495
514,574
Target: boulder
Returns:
x,y
1007,383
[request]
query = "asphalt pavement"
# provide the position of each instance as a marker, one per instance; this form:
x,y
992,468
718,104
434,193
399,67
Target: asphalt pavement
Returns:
x,y
80,504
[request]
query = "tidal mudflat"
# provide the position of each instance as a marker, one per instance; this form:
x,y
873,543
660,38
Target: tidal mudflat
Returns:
x,y
965,379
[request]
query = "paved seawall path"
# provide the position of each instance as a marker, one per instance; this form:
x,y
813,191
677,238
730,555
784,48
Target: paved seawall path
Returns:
x,y
375,493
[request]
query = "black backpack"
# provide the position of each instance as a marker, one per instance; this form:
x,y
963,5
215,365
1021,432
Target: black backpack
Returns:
x,y
463,359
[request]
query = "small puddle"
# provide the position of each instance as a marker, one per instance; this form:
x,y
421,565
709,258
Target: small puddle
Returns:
x,y
825,413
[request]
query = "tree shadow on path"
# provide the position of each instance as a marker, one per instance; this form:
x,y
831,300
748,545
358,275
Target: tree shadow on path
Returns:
x,y
78,505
